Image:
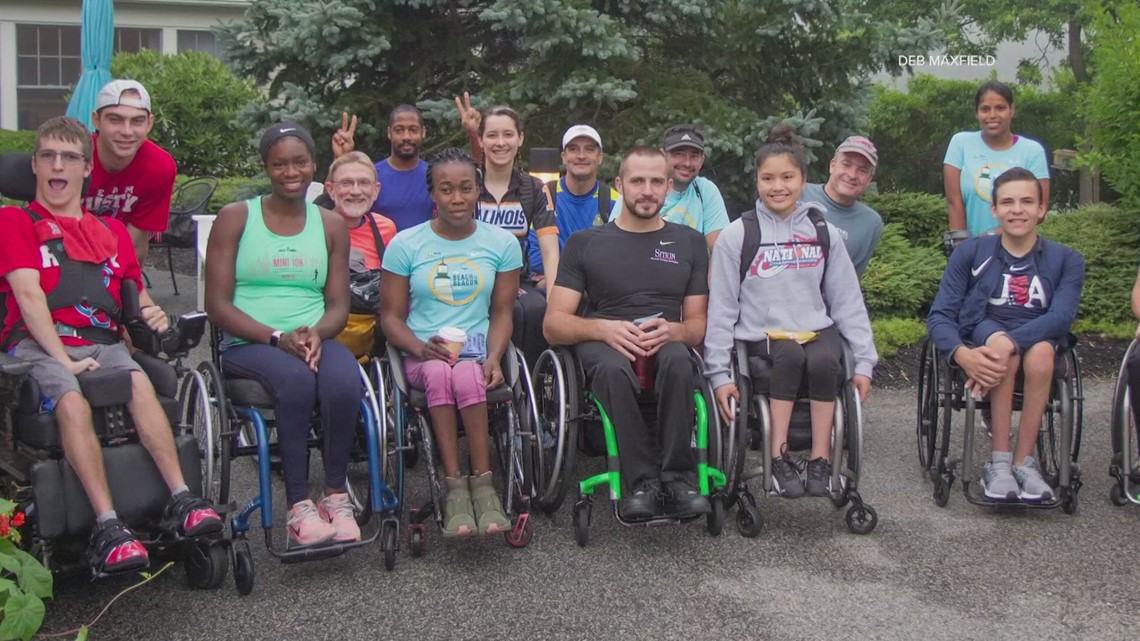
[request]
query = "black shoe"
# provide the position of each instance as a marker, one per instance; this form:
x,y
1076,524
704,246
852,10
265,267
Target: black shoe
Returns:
x,y
786,479
191,516
115,549
819,477
643,503
682,499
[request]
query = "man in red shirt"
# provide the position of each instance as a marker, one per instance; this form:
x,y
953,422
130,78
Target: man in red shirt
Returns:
x,y
62,270
132,178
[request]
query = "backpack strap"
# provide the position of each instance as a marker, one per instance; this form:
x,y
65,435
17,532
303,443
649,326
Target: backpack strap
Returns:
x,y
376,238
823,237
604,201
751,245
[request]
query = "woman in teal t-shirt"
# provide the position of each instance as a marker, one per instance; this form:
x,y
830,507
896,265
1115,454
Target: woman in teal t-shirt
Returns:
x,y
975,158
454,271
277,286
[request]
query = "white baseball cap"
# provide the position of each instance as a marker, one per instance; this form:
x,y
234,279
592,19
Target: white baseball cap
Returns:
x,y
112,94
581,131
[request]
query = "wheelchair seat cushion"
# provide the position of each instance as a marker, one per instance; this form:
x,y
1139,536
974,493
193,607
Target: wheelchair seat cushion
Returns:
x,y
248,392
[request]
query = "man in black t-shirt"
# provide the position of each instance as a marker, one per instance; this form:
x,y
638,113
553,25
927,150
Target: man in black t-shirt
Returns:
x,y
646,282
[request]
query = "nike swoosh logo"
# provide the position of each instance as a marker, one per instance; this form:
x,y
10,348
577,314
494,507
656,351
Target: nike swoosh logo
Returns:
x,y
666,242
285,131
977,270
1019,269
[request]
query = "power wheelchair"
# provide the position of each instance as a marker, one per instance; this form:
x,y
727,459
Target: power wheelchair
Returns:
x,y
511,419
568,415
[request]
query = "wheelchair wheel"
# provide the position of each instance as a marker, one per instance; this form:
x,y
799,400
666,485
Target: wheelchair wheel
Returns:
x,y
243,568
389,541
556,405
416,543
942,491
206,564
715,518
206,410
1116,495
391,440
926,420
582,510
861,519
748,520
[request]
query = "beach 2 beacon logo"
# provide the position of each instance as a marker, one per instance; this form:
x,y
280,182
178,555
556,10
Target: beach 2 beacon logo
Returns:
x,y
455,280
802,253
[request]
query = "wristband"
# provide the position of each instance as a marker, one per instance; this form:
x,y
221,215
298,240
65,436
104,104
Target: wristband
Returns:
x,y
275,337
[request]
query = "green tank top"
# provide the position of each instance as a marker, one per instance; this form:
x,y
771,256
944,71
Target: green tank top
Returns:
x,y
279,280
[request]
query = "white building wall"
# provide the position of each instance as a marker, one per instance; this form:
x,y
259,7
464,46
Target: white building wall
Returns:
x,y
167,15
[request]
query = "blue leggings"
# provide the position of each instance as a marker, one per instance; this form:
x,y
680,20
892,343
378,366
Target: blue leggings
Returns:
x,y
337,388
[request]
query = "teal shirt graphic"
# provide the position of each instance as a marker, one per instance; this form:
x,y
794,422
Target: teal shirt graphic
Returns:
x,y
980,165
451,280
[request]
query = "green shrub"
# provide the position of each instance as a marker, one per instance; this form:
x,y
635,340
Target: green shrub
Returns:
x,y
16,140
901,278
894,333
921,216
1108,238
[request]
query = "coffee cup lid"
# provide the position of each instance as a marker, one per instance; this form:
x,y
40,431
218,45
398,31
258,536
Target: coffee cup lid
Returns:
x,y
452,334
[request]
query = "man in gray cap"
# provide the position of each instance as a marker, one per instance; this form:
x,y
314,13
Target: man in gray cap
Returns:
x,y
694,200
132,178
851,169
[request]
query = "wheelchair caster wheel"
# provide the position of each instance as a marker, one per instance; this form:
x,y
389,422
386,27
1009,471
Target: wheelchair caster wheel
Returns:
x,y
388,541
582,523
1116,495
841,498
942,491
243,568
206,564
416,543
748,521
1068,500
521,534
715,518
862,519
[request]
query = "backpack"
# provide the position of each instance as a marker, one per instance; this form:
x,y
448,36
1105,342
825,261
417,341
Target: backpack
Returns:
x,y
603,198
752,242
364,287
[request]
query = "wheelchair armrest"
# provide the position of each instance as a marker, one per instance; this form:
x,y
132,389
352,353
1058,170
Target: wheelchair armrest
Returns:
x,y
12,366
106,388
396,360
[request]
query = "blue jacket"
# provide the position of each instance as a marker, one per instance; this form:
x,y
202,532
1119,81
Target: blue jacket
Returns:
x,y
971,276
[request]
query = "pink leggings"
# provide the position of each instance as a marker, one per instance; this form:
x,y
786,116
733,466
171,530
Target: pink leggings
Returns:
x,y
460,385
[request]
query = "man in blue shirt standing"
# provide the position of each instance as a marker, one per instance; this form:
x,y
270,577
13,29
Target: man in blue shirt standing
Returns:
x,y
580,198
403,196
693,201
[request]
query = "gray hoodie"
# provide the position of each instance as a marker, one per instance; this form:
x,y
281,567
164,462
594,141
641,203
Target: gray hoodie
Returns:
x,y
782,290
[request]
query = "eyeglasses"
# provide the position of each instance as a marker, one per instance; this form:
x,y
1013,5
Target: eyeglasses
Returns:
x,y
363,183
69,158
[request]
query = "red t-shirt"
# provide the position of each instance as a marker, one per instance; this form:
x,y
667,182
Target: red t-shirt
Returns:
x,y
360,238
23,251
138,195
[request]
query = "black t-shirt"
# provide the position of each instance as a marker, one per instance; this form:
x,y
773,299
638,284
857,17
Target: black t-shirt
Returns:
x,y
626,275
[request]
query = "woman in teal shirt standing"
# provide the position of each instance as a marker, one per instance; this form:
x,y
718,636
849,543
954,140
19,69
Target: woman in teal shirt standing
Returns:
x,y
975,158
460,273
277,286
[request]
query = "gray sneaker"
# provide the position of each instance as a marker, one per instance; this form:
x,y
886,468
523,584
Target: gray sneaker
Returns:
x,y
997,479
1033,485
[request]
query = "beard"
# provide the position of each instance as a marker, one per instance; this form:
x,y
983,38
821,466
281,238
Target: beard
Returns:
x,y
398,151
354,210
638,209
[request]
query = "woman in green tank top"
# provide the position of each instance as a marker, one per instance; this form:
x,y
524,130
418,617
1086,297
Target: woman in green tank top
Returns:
x,y
277,286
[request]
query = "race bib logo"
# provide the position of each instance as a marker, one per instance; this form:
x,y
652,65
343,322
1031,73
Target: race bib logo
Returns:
x,y
455,280
803,253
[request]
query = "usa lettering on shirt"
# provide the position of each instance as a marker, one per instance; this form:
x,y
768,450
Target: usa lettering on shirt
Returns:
x,y
1021,290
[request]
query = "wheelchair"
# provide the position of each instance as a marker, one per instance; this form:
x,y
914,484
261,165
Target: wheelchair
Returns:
x,y
44,487
942,392
510,423
1125,466
234,417
753,380
566,414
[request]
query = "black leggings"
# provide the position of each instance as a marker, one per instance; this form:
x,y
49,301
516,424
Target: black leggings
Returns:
x,y
822,359
296,390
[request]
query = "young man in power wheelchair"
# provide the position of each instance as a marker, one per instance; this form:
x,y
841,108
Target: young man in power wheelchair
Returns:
x,y
70,282
1000,325
646,283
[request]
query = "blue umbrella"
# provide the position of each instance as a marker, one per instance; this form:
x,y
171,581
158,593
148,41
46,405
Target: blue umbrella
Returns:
x,y
97,38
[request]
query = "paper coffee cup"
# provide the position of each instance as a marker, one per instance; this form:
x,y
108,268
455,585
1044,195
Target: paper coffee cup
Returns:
x,y
454,338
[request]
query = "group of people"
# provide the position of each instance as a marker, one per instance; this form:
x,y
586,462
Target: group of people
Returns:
x,y
646,271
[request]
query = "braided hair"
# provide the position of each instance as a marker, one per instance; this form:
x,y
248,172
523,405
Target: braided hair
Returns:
x,y
453,155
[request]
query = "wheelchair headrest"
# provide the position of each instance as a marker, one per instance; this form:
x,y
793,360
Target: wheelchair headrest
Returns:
x,y
16,178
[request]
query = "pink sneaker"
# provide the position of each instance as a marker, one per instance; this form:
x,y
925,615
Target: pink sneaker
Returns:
x,y
306,527
338,510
